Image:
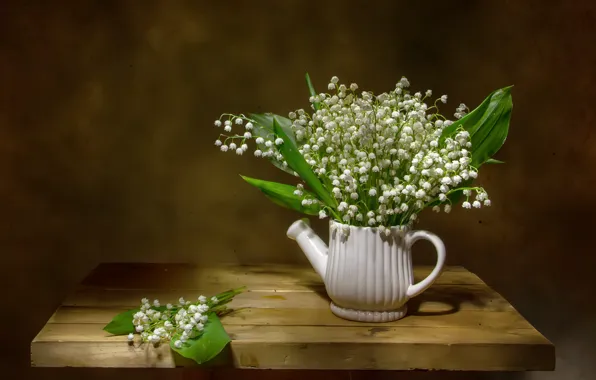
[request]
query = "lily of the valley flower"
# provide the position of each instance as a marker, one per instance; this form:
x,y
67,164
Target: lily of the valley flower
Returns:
x,y
382,156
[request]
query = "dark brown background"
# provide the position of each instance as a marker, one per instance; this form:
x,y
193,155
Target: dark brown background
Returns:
x,y
106,111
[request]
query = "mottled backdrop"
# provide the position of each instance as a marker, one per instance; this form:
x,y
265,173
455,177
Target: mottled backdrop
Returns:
x,y
106,142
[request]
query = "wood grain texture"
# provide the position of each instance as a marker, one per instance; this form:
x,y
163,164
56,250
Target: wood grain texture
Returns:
x,y
189,276
283,321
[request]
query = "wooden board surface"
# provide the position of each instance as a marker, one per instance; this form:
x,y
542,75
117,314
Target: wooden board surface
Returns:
x,y
284,322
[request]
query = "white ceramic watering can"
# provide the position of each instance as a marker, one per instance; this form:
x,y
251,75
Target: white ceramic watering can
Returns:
x,y
367,275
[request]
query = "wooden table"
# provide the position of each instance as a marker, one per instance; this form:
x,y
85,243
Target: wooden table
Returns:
x,y
284,322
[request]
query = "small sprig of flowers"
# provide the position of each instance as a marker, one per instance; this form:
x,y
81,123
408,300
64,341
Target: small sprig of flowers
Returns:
x,y
382,157
179,322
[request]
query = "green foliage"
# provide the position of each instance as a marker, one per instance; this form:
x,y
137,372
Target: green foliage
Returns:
x,y
206,346
202,348
283,195
297,163
264,128
488,126
122,323
311,90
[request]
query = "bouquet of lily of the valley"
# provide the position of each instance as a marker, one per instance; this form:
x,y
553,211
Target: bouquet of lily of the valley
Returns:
x,y
192,328
374,160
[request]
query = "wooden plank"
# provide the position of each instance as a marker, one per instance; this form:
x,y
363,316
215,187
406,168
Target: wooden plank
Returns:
x,y
325,356
316,317
99,355
436,299
187,276
471,348
93,332
395,357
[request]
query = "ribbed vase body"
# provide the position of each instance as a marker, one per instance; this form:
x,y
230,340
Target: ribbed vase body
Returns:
x,y
368,271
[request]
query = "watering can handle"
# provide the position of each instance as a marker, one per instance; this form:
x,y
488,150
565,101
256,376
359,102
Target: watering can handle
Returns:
x,y
413,237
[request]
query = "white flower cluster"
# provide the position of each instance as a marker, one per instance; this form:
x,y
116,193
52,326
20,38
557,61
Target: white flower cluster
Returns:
x,y
184,321
381,157
241,147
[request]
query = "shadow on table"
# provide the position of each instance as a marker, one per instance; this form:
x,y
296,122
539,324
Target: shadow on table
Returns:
x,y
445,300
433,301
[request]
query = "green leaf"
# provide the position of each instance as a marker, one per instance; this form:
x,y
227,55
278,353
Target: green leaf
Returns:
x,y
264,128
311,90
473,120
493,161
283,195
297,163
488,125
492,135
122,323
206,346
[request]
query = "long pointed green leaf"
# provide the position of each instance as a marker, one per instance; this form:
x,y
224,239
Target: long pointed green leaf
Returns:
x,y
493,161
263,127
490,138
488,125
297,163
311,90
283,195
473,120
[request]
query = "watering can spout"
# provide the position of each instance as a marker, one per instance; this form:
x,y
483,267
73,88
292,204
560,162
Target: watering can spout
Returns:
x,y
311,244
